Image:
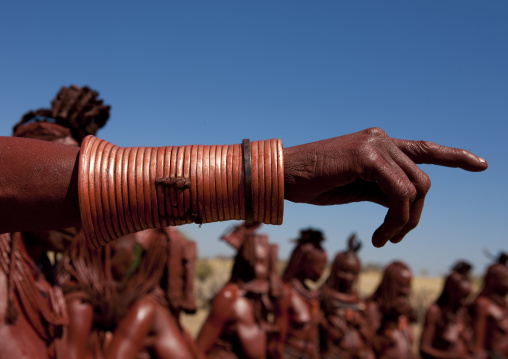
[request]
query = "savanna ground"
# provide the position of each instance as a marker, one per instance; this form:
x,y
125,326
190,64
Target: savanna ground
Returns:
x,y
211,274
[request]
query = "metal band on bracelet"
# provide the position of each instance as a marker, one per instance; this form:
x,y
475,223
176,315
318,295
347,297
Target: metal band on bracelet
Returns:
x,y
247,170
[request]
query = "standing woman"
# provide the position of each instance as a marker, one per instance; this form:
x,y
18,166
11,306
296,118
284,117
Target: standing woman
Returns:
x,y
390,314
242,322
307,262
447,331
490,312
33,313
345,332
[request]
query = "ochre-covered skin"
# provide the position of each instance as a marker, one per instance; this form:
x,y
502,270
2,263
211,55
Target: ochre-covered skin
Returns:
x,y
32,307
38,181
30,327
345,332
490,312
390,314
134,288
303,315
39,185
244,318
447,332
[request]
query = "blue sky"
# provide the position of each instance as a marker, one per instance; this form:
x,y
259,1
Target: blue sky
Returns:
x,y
216,72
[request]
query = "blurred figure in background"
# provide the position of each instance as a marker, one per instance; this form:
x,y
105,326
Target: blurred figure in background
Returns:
x,y
489,312
447,331
242,322
390,313
303,315
134,288
345,332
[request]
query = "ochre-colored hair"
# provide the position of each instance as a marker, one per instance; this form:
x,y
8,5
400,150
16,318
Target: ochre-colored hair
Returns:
x,y
75,111
353,247
309,242
387,291
448,296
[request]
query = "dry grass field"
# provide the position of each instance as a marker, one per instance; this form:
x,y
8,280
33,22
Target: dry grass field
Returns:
x,y
211,274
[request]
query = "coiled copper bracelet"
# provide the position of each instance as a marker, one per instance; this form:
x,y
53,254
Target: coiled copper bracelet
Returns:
x,y
128,189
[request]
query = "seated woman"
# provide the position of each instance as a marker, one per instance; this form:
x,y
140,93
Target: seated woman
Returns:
x,y
345,332
242,322
447,332
135,289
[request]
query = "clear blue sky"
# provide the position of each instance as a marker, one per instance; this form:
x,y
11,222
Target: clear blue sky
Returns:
x,y
182,72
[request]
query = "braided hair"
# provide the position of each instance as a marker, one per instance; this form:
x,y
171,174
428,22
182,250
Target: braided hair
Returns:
x,y
75,111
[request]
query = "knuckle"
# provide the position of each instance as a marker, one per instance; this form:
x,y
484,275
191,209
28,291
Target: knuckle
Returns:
x,y
376,132
424,183
428,146
412,223
410,192
370,157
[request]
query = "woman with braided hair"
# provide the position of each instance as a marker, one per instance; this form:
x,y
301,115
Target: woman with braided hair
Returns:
x,y
447,331
243,319
303,315
489,312
390,314
32,307
345,332
134,288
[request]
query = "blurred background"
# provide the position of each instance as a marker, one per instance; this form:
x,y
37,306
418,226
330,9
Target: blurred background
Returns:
x,y
179,73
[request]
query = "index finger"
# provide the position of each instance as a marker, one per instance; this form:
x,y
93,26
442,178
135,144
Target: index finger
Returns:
x,y
431,153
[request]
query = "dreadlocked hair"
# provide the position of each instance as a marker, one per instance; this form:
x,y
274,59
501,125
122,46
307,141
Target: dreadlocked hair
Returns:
x,y
75,108
386,290
309,241
448,295
353,247
87,270
47,320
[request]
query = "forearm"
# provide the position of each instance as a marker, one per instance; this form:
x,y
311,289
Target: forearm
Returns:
x,y
38,185
137,188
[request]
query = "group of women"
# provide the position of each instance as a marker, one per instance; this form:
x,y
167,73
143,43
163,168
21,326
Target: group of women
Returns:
x,y
333,321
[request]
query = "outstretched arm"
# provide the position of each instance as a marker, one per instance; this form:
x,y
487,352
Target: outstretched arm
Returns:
x,y
38,180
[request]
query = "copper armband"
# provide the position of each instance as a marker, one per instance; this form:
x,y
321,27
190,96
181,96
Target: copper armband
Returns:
x,y
128,189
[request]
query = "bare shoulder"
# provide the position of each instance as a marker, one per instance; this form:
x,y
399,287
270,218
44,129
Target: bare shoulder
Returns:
x,y
228,295
142,309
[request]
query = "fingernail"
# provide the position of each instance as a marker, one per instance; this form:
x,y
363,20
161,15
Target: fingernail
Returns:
x,y
482,160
